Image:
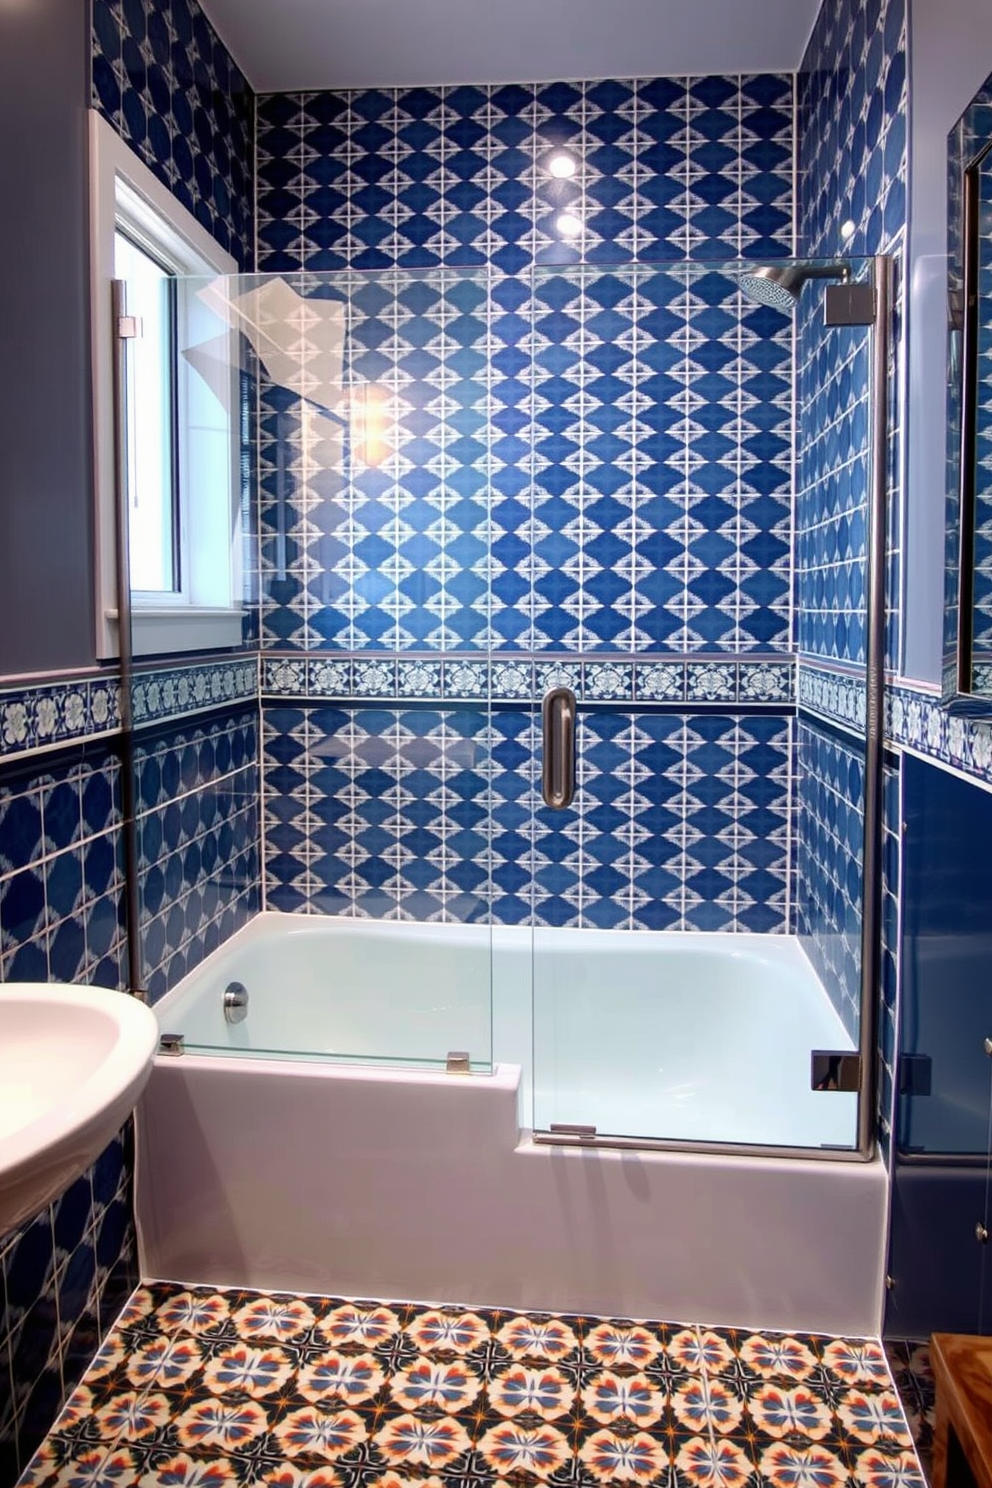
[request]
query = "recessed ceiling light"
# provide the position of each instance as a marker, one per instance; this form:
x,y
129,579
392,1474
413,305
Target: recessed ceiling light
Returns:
x,y
569,225
562,166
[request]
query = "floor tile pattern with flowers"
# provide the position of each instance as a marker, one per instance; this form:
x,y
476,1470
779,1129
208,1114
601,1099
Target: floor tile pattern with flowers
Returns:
x,y
199,1388
912,1375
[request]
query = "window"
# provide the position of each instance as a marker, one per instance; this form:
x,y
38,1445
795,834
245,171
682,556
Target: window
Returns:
x,y
181,416
149,421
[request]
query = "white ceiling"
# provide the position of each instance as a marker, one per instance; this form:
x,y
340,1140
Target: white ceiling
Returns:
x,y
290,45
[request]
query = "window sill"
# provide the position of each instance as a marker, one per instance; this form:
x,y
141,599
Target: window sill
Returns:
x,y
158,631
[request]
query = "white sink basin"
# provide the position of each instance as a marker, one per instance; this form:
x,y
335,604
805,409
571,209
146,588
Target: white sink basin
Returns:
x,y
73,1061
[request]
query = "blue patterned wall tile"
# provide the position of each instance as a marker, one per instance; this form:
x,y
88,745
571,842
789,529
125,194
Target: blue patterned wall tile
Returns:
x,y
607,681
465,679
583,557
551,674
422,176
829,855
711,682
679,822
659,682
768,682
852,109
61,1287
590,542
512,680
163,79
418,679
198,830
891,889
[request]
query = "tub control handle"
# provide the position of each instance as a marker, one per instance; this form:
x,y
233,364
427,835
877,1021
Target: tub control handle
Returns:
x,y
236,1002
558,766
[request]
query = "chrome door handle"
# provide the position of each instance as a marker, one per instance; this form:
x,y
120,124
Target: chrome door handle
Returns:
x,y
558,765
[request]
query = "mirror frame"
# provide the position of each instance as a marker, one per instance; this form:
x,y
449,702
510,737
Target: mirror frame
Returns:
x,y
969,149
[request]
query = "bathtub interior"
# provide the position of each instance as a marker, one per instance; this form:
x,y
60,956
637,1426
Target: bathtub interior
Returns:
x,y
360,991
655,1035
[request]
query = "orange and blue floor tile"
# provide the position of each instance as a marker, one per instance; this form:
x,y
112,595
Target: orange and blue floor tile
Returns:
x,y
202,1388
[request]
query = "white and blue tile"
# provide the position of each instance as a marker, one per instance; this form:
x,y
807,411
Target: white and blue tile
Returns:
x,y
164,80
829,858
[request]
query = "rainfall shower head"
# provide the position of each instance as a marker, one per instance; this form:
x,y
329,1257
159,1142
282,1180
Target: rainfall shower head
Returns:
x,y
778,285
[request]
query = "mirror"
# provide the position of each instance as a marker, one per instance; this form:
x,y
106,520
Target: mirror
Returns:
x,y
967,679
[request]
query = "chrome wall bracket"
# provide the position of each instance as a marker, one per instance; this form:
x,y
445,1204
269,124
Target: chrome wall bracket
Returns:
x,y
835,1069
173,1044
458,1062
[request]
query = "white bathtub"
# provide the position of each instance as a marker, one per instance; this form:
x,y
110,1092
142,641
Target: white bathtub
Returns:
x,y
320,1145
688,1037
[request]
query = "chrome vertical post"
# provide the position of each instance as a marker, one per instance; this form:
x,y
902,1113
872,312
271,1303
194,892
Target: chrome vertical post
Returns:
x,y
123,330
871,916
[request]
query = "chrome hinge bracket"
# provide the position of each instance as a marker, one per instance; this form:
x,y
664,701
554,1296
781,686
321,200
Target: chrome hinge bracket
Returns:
x,y
835,1069
850,305
128,327
458,1062
915,1074
172,1043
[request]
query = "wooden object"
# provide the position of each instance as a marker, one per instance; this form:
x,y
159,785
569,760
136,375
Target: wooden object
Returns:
x,y
962,1368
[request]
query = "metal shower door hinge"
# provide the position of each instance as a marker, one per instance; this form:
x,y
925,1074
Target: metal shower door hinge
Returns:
x,y
915,1074
458,1062
850,305
835,1069
128,327
172,1043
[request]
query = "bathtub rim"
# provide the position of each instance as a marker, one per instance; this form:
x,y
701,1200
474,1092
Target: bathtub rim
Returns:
x,y
504,1076
744,944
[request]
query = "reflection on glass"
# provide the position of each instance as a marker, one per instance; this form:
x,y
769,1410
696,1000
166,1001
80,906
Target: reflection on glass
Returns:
x,y
968,532
150,444
982,657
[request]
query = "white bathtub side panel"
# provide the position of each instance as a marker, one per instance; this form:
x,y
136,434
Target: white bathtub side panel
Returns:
x,y
419,1189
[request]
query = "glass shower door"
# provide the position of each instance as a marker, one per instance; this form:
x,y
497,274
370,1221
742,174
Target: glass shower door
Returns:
x,y
357,434
698,903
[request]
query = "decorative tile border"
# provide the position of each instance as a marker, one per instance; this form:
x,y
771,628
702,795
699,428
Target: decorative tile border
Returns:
x,y
914,718
177,692
42,715
836,696
38,716
698,681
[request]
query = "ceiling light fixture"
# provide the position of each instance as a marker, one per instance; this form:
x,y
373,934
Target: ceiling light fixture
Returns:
x,y
569,225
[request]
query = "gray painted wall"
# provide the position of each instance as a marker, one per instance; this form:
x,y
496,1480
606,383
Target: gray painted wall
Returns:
x,y
950,57
46,563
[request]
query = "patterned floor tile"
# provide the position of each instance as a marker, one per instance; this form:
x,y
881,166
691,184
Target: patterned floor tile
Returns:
x,y
203,1388
912,1374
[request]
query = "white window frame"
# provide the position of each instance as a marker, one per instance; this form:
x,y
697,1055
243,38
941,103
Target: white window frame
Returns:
x,y
207,614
